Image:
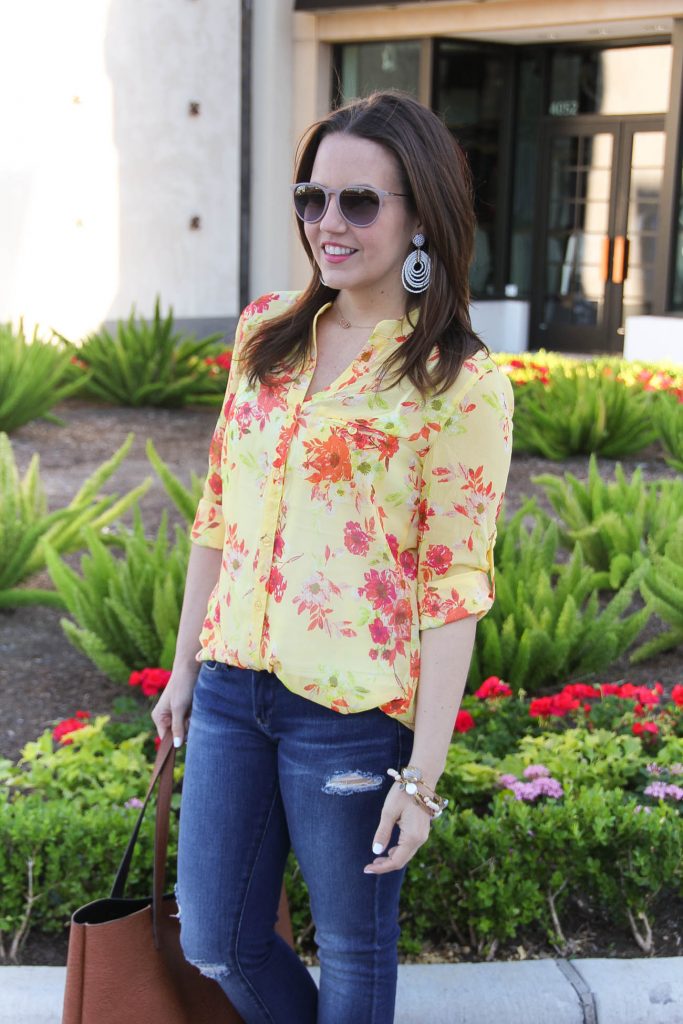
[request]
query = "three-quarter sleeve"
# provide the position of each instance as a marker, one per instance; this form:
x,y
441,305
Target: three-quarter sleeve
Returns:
x,y
208,529
464,476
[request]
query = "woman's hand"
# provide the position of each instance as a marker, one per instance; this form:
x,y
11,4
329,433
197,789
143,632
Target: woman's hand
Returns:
x,y
414,823
172,710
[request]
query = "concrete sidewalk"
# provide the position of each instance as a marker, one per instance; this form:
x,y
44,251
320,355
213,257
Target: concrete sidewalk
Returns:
x,y
643,991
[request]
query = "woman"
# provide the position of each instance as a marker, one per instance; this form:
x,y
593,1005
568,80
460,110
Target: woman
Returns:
x,y
356,473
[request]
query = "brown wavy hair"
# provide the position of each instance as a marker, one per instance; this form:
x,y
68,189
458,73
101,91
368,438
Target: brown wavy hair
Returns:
x,y
435,174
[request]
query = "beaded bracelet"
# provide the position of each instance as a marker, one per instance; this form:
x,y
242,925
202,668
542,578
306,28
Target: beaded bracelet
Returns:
x,y
409,778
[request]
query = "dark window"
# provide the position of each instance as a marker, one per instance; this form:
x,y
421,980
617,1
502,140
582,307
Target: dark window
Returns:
x,y
526,141
472,89
677,293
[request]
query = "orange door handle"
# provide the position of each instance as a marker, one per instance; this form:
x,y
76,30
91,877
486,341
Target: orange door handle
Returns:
x,y
620,260
604,259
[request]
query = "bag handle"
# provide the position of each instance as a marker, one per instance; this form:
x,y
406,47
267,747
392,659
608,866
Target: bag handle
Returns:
x,y
163,774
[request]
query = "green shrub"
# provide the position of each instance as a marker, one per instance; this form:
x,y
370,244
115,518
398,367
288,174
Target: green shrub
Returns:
x,y
26,526
149,363
90,770
185,499
546,625
580,411
669,421
31,378
494,865
617,524
483,880
662,589
127,609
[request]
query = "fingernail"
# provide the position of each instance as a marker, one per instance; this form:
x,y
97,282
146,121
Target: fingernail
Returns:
x,y
177,741
377,847
368,871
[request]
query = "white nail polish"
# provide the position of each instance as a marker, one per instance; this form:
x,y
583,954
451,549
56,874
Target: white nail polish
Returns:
x,y
377,847
177,742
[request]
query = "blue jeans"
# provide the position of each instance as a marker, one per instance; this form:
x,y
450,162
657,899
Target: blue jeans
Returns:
x,y
265,770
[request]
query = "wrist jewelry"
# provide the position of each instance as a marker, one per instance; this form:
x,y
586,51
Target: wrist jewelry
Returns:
x,y
410,779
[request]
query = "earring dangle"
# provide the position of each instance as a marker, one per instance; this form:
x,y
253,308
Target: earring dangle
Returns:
x,y
417,269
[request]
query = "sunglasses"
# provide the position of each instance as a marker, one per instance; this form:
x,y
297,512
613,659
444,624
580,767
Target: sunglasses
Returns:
x,y
359,205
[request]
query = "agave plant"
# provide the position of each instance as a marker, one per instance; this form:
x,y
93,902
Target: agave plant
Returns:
x,y
662,589
185,499
26,525
617,524
149,363
546,624
125,604
669,422
579,412
31,378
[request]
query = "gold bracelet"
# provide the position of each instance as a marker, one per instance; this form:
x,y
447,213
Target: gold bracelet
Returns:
x,y
409,779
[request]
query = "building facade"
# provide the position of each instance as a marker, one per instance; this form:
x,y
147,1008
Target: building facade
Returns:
x,y
150,153
570,113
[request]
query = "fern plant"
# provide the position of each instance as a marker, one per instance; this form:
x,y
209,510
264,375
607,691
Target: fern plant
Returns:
x,y
26,526
31,378
669,422
184,498
580,411
662,589
125,610
618,524
546,625
148,363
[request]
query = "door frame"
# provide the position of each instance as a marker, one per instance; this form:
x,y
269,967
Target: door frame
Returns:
x,y
574,338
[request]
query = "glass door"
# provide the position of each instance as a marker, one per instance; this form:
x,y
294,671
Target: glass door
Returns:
x,y
597,231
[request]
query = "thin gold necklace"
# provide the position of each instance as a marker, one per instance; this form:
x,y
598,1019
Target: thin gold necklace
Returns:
x,y
346,324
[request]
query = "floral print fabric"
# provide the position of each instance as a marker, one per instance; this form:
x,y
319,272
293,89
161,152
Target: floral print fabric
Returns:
x,y
351,519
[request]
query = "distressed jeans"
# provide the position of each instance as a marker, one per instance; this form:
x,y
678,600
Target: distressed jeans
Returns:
x,y
267,770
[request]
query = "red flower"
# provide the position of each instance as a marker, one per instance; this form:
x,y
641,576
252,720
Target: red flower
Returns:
x,y
493,687
150,680
581,690
69,725
557,705
464,721
645,727
677,695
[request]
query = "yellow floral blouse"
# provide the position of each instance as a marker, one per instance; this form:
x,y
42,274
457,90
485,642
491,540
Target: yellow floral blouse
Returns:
x,y
350,520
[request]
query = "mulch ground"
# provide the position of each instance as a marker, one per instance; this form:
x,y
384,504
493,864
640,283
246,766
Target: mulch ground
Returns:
x,y
43,678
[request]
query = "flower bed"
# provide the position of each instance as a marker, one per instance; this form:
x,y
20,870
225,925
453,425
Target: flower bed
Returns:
x,y
557,806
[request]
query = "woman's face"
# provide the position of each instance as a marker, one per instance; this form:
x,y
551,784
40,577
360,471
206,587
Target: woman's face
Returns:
x,y
366,260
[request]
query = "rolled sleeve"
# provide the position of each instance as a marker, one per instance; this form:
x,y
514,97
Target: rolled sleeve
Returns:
x,y
464,477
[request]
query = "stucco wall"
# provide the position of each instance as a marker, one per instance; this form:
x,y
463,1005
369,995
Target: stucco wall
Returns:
x,y
102,167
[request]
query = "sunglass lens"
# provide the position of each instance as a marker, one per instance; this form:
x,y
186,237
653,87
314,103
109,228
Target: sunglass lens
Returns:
x,y
360,206
309,202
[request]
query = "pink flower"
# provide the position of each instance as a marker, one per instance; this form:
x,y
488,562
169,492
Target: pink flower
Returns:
x,y
439,558
677,695
379,632
536,771
356,539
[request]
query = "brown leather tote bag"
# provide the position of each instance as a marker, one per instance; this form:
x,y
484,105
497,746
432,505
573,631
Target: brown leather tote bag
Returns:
x,y
124,963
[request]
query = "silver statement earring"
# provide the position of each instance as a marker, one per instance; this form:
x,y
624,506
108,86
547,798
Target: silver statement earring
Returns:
x,y
417,269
